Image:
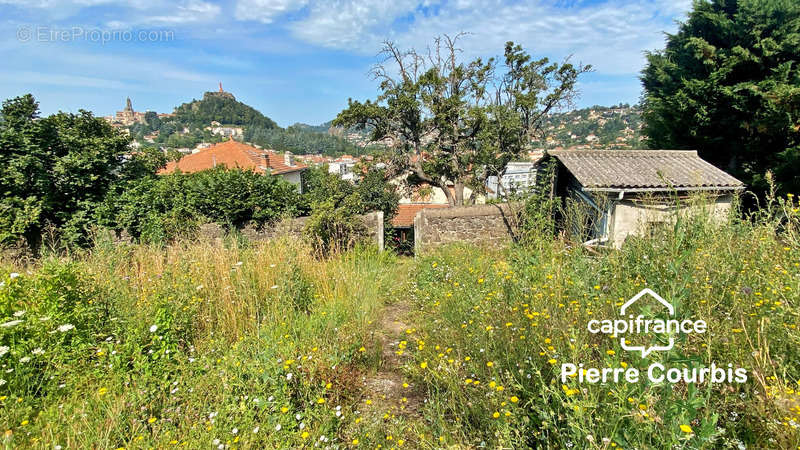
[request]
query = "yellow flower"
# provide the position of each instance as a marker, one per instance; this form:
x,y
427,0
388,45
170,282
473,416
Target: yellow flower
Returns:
x,y
320,400
284,409
355,441
489,364
24,422
304,435
551,361
151,420
611,352
102,391
514,399
423,364
496,415
686,429
362,350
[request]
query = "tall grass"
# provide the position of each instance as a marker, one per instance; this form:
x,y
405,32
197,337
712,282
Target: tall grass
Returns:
x,y
268,345
498,326
190,344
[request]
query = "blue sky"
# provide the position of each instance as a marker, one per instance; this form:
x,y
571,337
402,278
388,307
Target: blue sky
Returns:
x,y
298,60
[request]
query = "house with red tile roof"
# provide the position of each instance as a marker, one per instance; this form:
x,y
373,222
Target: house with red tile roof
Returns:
x,y
233,154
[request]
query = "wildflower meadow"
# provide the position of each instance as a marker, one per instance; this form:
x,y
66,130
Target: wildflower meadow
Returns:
x,y
269,345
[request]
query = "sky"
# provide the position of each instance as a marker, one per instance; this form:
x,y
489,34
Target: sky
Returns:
x,y
299,60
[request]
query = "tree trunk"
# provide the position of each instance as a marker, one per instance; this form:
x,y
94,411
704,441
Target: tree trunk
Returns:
x,y
458,187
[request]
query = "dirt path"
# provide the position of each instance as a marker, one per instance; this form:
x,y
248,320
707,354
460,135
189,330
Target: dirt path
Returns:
x,y
387,383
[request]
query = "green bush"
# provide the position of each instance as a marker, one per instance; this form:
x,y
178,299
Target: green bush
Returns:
x,y
333,229
164,207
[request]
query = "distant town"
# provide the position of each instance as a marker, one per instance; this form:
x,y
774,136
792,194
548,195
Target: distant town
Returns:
x,y
189,131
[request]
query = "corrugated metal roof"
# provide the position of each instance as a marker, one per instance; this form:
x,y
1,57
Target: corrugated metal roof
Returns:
x,y
644,170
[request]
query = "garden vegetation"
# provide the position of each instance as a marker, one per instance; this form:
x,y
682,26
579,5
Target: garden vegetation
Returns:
x,y
265,345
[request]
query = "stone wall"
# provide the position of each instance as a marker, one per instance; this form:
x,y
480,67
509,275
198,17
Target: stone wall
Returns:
x,y
489,225
292,227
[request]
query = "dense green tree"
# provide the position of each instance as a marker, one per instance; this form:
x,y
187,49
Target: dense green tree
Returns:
x,y
728,85
53,170
455,123
152,121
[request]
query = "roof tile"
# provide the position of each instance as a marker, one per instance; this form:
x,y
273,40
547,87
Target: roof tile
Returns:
x,y
234,154
407,211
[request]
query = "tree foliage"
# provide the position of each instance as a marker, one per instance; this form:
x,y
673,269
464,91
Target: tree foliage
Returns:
x,y
302,139
728,85
455,123
54,170
166,206
335,205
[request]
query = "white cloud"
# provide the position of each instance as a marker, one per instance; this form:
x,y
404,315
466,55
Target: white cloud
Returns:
x,y
266,11
186,12
65,80
612,36
346,23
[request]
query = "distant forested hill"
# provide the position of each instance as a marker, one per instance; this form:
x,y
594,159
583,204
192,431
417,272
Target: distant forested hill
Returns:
x,y
616,126
221,108
303,139
596,127
187,128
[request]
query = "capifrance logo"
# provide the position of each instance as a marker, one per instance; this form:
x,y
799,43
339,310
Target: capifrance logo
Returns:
x,y
663,331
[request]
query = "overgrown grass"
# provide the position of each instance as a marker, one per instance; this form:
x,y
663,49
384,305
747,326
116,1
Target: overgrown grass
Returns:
x,y
192,345
267,345
498,326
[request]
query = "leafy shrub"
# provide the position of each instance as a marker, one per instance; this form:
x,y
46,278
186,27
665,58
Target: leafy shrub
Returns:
x,y
336,203
53,171
333,229
168,206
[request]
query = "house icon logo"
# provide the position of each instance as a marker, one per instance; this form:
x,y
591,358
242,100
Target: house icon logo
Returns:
x,y
636,327
646,350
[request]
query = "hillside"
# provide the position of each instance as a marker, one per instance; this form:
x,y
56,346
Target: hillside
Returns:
x,y
225,109
218,116
617,127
